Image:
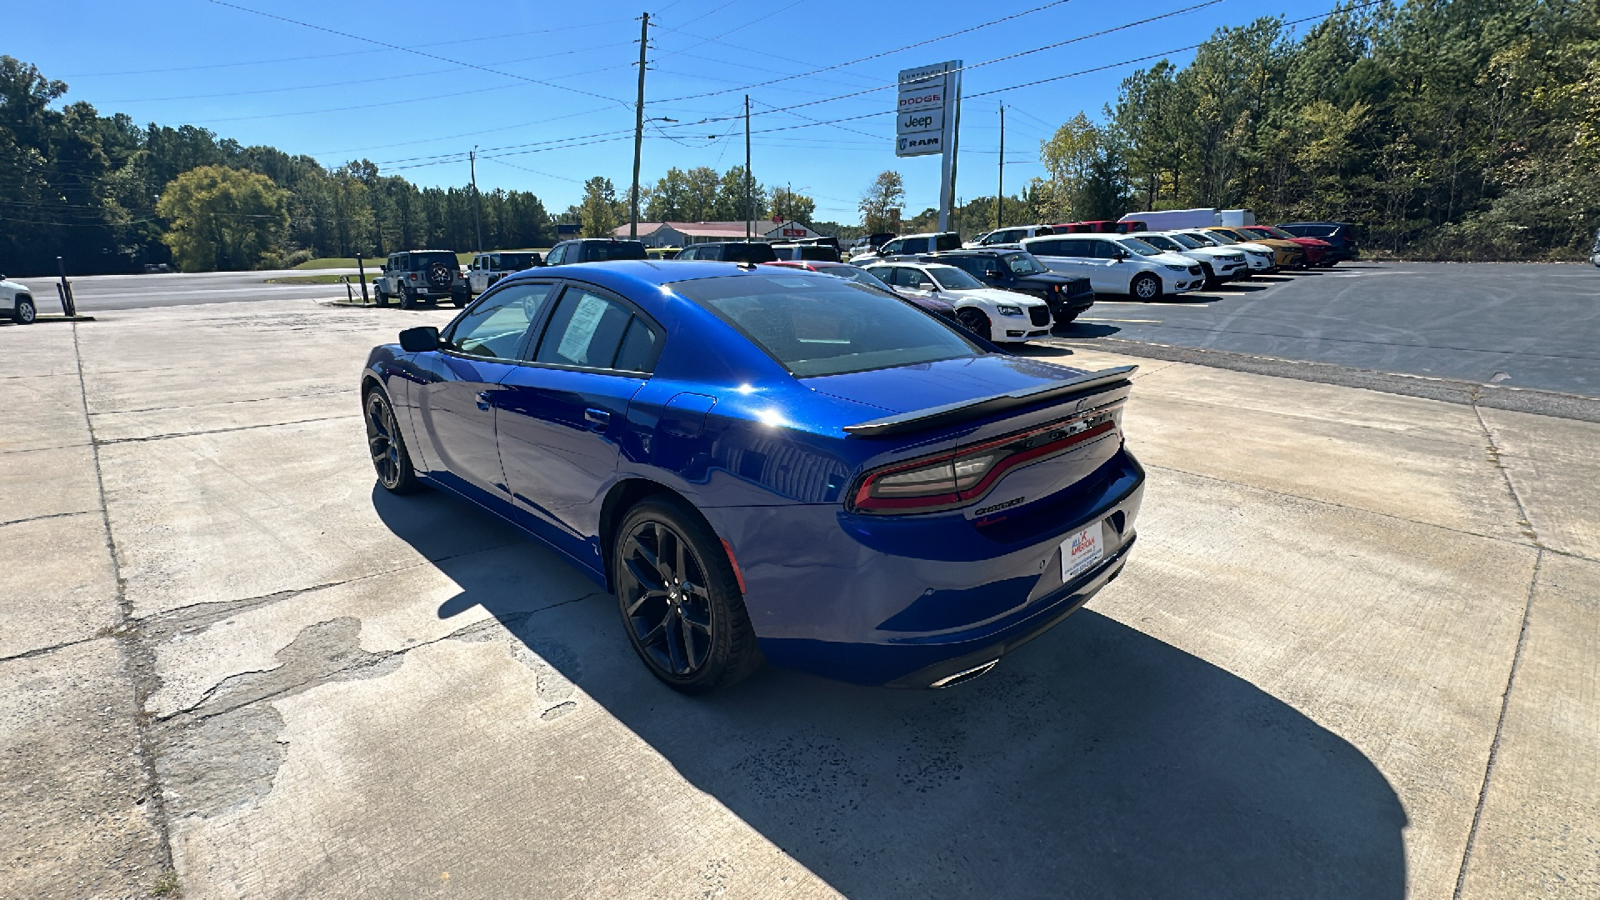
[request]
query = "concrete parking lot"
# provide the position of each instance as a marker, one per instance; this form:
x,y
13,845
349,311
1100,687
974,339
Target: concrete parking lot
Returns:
x,y
1354,656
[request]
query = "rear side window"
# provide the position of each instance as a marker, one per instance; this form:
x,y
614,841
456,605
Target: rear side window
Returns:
x,y
585,330
947,241
914,245
601,251
817,325
638,352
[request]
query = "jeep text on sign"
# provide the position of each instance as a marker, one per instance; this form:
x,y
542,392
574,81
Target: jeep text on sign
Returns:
x,y
920,120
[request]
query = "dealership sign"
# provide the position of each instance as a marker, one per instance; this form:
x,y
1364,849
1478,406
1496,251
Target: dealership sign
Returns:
x,y
927,118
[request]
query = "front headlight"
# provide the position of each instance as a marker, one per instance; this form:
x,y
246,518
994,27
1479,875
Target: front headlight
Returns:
x,y
1005,310
1177,268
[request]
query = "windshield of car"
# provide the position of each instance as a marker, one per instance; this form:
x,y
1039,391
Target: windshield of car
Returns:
x,y
953,279
826,326
1184,241
1024,264
1276,232
420,261
599,251
1222,237
1139,247
1161,242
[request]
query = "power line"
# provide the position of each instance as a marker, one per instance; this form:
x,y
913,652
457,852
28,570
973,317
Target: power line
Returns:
x,y
924,43
354,37
284,59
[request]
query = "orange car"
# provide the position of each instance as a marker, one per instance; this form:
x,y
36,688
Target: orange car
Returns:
x,y
1287,254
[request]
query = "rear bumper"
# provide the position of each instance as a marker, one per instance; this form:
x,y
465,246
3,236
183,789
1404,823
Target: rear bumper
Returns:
x,y
869,607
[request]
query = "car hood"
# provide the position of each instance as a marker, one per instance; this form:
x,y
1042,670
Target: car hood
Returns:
x,y
1247,245
993,295
1169,259
905,388
9,285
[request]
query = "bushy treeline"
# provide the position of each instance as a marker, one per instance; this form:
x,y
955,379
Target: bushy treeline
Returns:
x,y
1463,129
88,187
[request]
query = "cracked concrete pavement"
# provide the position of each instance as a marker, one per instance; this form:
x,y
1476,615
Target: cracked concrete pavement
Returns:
x,y
1355,655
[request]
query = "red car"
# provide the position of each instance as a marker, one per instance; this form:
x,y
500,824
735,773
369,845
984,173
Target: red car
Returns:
x,y
1318,252
1097,226
856,273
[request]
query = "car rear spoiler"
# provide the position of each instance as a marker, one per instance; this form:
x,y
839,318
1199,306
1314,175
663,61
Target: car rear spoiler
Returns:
x,y
984,406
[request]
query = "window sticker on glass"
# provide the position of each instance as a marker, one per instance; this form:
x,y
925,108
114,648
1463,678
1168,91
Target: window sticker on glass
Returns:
x,y
580,331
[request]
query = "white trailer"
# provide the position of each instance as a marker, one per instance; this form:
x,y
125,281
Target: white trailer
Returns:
x,y
1237,217
1169,219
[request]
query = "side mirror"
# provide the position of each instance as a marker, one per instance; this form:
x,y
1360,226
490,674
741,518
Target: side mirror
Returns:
x,y
1120,255
420,339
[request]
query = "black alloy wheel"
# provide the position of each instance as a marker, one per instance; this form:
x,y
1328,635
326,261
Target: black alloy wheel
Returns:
x,y
973,320
25,312
388,449
679,599
440,276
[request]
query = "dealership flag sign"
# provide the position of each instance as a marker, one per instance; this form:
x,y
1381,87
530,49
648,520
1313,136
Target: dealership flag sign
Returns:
x,y
927,116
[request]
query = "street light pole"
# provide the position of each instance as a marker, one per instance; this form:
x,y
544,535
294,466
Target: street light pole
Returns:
x,y
749,209
638,131
1000,191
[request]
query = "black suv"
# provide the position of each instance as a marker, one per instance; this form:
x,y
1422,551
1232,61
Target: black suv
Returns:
x,y
1017,270
731,251
593,250
1342,235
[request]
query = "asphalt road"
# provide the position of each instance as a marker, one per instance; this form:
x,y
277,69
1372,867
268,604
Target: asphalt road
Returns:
x,y
1531,326
101,293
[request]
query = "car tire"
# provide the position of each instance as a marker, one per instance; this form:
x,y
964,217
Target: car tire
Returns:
x,y
408,298
694,637
386,445
1145,286
974,320
379,296
25,312
460,299
1212,282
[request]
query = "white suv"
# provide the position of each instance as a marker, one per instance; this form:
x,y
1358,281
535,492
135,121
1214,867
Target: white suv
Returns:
x,y
1219,263
487,268
16,302
1009,236
1117,264
990,313
1263,260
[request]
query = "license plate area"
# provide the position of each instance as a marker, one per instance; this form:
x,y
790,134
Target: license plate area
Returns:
x,y
1081,551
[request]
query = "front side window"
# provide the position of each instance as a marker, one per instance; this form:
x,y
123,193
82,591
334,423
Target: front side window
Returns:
x,y
826,326
494,328
916,279
1024,264
893,247
558,254
953,279
586,330
1135,245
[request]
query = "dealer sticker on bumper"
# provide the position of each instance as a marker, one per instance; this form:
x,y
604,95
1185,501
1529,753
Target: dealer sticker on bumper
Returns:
x,y
1080,552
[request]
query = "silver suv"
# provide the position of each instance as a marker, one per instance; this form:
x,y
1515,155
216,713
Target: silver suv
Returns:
x,y
414,276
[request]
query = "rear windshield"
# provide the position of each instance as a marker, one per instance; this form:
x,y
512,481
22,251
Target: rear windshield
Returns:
x,y
600,251
814,325
420,261
516,262
753,253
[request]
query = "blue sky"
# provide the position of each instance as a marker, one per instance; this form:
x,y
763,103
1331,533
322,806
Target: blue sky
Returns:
x,y
562,73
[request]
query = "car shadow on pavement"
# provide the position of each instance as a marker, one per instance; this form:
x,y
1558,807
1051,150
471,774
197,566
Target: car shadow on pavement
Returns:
x,y
1080,330
1095,762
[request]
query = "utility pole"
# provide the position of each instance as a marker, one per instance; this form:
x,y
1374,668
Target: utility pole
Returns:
x,y
638,130
749,208
1000,192
477,224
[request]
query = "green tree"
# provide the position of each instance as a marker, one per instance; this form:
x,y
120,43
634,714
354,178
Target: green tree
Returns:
x,y
732,203
787,205
598,211
700,186
881,203
222,219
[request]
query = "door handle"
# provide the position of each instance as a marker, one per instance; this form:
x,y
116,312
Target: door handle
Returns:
x,y
598,419
483,400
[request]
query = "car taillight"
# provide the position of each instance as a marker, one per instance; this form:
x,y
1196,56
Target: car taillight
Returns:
x,y
413,276
948,480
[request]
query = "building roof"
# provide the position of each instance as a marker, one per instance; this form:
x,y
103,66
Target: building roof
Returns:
x,y
721,230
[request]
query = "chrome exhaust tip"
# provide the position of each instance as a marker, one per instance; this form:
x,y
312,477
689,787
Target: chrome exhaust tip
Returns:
x,y
965,675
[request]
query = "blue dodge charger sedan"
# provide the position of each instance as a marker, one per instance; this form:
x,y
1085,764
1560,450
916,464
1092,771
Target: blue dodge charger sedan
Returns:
x,y
770,464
